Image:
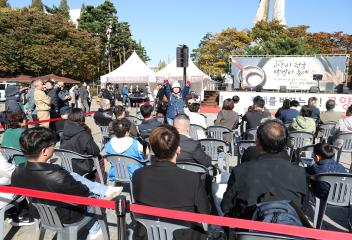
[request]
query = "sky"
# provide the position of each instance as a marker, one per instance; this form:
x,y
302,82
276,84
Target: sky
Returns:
x,y
161,25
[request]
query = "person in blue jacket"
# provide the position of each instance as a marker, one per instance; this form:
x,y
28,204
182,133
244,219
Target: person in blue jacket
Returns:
x,y
125,97
176,99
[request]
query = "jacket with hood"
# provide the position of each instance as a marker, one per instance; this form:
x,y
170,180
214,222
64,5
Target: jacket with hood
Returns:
x,y
305,124
12,94
126,146
77,139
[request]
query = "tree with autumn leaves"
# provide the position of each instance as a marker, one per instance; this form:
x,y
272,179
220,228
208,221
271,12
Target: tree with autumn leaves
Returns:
x,y
35,43
266,38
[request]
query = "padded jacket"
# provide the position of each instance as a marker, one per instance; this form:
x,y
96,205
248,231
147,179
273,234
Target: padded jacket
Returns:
x,y
77,139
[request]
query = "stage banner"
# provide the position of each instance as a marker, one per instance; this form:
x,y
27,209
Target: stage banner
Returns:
x,y
293,72
273,101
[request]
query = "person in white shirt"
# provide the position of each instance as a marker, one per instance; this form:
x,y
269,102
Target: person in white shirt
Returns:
x,y
6,170
194,115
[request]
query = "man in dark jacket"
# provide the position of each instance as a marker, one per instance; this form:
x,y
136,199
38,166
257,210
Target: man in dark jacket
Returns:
x,y
108,93
37,173
164,185
191,150
64,95
269,177
104,115
84,97
12,95
52,92
256,115
38,144
149,122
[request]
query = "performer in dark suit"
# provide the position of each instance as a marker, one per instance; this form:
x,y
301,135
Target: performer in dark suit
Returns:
x,y
191,150
164,185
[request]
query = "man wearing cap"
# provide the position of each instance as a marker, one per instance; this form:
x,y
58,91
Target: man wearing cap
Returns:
x,y
175,99
64,96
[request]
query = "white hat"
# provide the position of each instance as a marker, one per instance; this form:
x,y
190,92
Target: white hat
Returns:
x,y
176,85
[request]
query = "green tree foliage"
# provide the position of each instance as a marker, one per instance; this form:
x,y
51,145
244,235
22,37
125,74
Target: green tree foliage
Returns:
x,y
4,4
161,65
272,38
36,44
37,4
116,43
63,9
214,50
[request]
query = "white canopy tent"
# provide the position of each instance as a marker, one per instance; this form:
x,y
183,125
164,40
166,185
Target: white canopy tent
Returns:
x,y
199,80
134,70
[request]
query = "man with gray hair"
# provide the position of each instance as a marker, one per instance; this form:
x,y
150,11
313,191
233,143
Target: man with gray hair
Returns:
x,y
104,115
191,150
330,115
42,103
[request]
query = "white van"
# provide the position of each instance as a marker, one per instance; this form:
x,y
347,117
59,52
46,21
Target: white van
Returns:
x,y
3,86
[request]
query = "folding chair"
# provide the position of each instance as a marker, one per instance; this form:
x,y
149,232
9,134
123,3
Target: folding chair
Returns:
x,y
105,135
299,139
193,167
49,219
242,146
10,153
121,163
344,143
339,194
217,132
251,134
67,157
218,151
158,230
197,132
136,121
325,131
261,236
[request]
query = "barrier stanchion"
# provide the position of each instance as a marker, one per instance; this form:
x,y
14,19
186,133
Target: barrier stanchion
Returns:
x,y
121,209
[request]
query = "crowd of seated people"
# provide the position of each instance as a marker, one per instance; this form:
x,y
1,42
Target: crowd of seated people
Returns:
x,y
274,181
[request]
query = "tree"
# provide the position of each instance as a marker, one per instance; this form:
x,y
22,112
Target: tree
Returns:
x,y
161,65
63,9
272,38
37,4
116,43
36,44
214,50
4,4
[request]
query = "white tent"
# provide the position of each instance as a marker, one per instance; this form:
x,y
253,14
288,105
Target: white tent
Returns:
x,y
199,80
173,73
134,70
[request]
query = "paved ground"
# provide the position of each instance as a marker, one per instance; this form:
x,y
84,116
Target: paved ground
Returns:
x,y
336,217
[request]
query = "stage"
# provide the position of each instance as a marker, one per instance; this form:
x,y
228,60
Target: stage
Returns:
x,y
273,100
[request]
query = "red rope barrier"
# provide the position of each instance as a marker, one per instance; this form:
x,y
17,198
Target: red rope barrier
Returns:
x,y
52,119
59,197
185,216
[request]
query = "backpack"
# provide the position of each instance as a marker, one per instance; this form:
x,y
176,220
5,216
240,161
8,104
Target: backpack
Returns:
x,y
283,212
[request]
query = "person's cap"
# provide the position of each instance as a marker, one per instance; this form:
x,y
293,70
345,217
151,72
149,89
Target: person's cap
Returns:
x,y
65,110
176,85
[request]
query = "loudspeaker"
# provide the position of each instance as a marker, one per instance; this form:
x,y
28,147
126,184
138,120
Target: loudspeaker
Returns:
x,y
283,89
314,89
